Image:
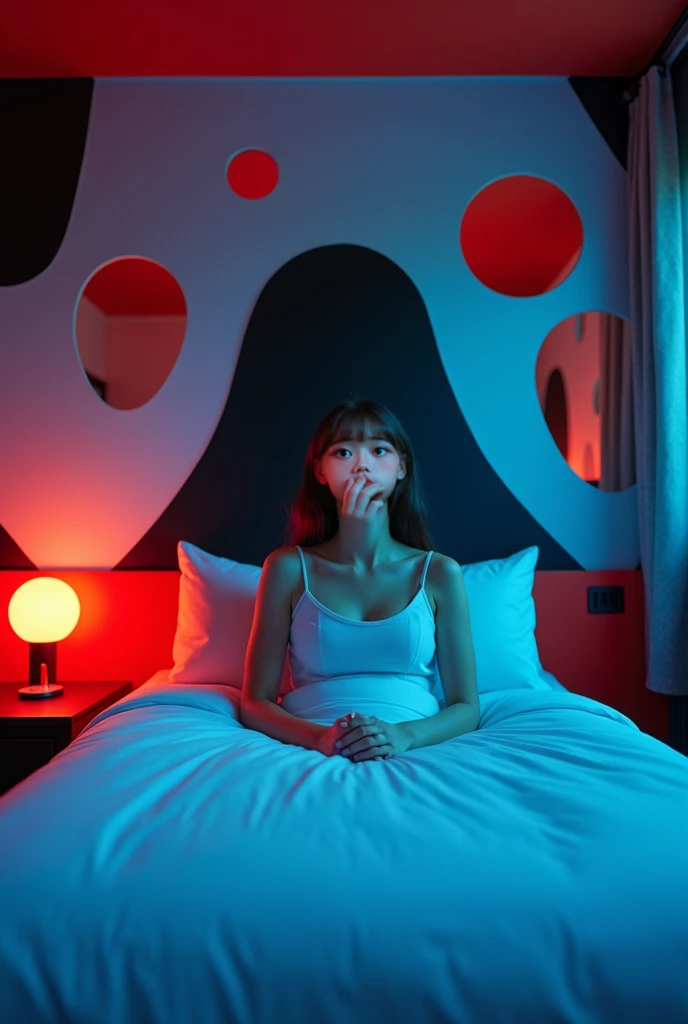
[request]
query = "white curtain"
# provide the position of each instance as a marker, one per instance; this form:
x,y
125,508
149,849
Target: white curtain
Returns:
x,y
660,383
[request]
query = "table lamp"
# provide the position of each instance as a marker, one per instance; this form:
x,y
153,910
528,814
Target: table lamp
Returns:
x,y
42,611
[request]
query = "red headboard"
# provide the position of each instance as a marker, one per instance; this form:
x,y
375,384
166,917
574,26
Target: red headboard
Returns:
x,y
128,621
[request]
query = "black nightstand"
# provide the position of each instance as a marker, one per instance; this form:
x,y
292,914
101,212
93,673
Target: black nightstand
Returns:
x,y
33,731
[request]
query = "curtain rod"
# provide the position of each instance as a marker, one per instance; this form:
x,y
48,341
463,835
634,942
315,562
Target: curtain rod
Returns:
x,y
658,59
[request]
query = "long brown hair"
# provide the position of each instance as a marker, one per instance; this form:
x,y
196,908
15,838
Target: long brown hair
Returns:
x,y
312,517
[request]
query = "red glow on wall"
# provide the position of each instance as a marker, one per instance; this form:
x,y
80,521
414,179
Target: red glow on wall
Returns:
x,y
252,174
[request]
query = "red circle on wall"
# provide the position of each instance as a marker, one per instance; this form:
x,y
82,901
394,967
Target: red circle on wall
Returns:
x,y
252,174
521,235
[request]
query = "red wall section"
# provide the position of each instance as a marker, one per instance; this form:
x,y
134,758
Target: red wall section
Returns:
x,y
128,621
125,631
599,656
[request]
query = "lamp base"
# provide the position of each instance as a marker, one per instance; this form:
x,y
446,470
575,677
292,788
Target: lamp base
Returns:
x,y
37,692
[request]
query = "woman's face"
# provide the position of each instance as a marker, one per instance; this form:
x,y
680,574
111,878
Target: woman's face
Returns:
x,y
373,458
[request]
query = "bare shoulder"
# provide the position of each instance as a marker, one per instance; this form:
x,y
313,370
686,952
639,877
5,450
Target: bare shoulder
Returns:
x,y
287,558
444,565
288,551
441,571
283,566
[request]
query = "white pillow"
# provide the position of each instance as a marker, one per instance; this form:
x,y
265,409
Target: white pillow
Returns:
x,y
217,597
500,598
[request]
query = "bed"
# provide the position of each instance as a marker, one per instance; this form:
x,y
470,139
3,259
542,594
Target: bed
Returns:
x,y
172,866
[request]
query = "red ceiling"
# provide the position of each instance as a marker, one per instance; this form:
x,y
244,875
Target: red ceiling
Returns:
x,y
42,38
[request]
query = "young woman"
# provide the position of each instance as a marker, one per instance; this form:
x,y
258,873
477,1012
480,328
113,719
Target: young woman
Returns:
x,y
368,610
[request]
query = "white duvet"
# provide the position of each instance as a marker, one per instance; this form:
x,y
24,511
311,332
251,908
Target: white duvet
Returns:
x,y
172,866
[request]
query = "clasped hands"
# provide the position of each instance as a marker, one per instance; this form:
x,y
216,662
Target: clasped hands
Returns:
x,y
364,738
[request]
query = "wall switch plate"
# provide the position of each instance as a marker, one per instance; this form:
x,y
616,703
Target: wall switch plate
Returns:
x,y
605,600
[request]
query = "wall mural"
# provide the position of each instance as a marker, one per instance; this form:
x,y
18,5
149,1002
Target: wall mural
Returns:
x,y
240,255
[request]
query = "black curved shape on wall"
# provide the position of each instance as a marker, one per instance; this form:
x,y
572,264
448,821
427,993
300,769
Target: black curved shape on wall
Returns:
x,y
556,412
43,126
603,101
333,321
11,555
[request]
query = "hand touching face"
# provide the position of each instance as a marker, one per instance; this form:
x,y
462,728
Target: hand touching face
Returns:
x,y
361,499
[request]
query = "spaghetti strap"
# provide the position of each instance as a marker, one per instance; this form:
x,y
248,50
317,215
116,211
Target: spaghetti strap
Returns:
x,y
425,569
303,566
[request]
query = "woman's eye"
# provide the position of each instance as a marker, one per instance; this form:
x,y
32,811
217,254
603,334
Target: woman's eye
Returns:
x,y
378,449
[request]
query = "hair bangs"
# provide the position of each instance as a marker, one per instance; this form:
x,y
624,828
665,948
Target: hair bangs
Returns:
x,y
356,425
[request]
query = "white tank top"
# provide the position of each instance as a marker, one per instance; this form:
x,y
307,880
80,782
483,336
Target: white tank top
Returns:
x,y
386,656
